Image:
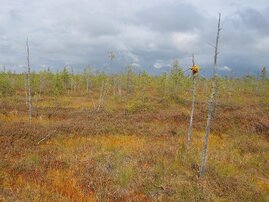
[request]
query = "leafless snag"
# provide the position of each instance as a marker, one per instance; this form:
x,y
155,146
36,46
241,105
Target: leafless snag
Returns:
x,y
119,86
26,88
211,103
192,105
29,82
111,56
103,92
101,96
166,84
115,85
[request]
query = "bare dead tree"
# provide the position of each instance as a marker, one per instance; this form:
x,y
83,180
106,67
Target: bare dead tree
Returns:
x,y
73,84
103,92
211,103
119,86
25,87
87,75
111,56
29,82
114,78
192,105
166,84
93,103
101,96
128,82
87,85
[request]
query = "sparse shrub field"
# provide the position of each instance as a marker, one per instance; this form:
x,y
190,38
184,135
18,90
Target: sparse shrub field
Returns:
x,y
129,143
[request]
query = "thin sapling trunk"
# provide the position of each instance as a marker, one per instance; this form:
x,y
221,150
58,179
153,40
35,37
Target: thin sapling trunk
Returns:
x,y
192,105
210,104
29,83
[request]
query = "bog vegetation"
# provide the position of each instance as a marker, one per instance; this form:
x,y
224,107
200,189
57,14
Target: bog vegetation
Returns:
x,y
122,137
133,136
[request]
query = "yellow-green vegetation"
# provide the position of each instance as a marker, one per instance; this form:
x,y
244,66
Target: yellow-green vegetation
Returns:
x,y
133,148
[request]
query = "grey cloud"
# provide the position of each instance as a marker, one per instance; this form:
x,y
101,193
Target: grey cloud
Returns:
x,y
78,33
169,17
256,20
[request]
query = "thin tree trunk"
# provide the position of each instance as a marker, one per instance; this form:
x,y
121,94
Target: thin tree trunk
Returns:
x,y
101,96
25,88
29,83
143,93
115,86
192,106
119,87
40,88
87,83
210,105
165,85
127,85
93,103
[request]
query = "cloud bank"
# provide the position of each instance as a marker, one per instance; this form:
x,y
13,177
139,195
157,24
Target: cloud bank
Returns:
x,y
150,34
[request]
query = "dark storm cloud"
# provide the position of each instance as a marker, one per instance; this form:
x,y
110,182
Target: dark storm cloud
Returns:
x,y
172,17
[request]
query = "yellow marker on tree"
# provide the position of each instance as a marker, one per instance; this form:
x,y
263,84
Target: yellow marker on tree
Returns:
x,y
195,69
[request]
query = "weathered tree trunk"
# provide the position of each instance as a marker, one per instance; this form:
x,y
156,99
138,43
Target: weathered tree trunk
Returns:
x,y
165,84
25,87
143,93
103,92
29,83
119,87
210,104
87,85
101,96
192,106
128,84
115,85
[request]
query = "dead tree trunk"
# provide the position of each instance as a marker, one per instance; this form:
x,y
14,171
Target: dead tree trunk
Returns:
x,y
210,104
119,86
103,92
29,83
87,85
165,84
192,106
115,85
101,96
25,88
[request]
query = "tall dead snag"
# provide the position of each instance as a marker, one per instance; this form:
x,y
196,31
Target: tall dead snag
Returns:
x,y
119,86
210,104
111,56
101,96
103,92
29,83
25,88
165,84
128,80
194,75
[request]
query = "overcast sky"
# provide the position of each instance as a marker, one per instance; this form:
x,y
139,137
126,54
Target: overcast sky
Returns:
x,y
149,34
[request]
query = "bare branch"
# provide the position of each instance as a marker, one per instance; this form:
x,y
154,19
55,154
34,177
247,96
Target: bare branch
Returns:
x,y
46,137
211,45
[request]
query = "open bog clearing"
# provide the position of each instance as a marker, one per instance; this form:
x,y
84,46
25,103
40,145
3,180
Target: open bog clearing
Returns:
x,y
133,150
130,101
